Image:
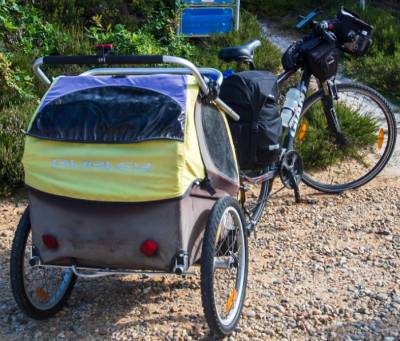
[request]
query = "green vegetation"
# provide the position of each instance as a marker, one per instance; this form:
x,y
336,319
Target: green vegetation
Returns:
x,y
318,148
12,120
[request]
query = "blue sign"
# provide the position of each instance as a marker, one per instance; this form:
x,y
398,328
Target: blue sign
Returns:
x,y
206,21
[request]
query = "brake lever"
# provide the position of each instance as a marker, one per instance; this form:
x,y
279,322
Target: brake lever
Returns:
x,y
330,37
322,28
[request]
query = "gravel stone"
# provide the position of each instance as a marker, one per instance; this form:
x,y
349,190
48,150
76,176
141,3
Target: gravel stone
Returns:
x,y
321,271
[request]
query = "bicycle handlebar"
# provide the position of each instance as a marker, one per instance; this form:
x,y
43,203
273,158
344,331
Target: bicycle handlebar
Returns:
x,y
305,20
322,28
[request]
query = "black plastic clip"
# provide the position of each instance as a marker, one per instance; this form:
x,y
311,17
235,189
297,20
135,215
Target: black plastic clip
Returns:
x,y
207,185
213,92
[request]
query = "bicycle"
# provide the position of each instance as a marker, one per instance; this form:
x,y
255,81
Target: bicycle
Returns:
x,y
355,157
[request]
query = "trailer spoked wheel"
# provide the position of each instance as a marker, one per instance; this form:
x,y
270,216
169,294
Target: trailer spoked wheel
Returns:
x,y
40,291
224,264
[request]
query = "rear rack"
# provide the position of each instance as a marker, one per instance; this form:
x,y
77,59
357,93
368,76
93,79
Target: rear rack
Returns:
x,y
202,75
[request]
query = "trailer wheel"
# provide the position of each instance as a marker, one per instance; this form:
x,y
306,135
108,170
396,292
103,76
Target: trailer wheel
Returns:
x,y
39,291
224,266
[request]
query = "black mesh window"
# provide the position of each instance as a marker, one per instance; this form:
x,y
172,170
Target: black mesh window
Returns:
x,y
217,141
110,114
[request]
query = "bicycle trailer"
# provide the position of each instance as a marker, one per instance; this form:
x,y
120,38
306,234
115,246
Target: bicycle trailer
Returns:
x,y
120,172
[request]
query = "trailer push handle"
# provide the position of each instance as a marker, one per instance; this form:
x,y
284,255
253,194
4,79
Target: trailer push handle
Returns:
x,y
133,59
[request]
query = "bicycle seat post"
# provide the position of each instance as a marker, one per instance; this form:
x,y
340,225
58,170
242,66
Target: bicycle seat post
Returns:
x,y
251,64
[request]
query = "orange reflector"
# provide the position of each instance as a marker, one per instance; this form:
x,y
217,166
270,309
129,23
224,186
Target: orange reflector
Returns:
x,y
231,299
302,131
42,294
381,136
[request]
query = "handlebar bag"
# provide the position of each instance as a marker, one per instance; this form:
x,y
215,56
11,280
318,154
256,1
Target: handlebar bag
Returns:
x,y
354,34
323,61
257,135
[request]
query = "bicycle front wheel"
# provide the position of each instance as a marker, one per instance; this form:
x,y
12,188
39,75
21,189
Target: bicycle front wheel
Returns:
x,y
369,130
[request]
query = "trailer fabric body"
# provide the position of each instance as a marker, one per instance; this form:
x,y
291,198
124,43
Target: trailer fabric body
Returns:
x,y
63,160
111,162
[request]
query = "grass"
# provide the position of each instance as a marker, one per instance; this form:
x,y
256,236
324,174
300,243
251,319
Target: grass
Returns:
x,y
318,148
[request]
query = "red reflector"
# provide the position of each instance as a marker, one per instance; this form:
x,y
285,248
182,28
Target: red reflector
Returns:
x,y
149,247
104,46
50,241
331,27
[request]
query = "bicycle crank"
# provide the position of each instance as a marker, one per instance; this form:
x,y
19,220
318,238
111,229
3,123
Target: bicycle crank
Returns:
x,y
291,172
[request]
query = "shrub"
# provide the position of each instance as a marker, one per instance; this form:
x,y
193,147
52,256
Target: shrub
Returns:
x,y
12,120
130,13
155,37
14,84
22,29
318,149
278,9
380,67
8,85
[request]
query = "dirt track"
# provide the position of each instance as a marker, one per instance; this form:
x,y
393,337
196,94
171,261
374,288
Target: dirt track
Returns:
x,y
328,270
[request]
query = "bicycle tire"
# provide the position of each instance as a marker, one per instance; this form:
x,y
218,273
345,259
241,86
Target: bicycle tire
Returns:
x,y
221,328
255,214
384,159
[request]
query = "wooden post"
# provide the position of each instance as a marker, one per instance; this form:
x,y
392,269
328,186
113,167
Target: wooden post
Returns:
x,y
362,4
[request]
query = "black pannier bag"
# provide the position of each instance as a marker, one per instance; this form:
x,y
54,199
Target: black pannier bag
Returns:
x,y
322,60
257,135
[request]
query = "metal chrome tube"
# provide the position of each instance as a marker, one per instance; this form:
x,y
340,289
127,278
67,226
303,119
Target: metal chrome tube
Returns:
x,y
226,109
95,273
150,71
237,15
38,71
195,71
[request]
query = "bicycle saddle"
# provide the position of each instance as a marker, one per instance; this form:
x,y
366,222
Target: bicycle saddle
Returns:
x,y
239,53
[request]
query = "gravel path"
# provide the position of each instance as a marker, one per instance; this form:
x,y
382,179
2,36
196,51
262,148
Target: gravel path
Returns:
x,y
322,271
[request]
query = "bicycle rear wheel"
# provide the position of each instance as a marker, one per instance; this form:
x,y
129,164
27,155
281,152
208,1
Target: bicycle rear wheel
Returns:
x,y
369,128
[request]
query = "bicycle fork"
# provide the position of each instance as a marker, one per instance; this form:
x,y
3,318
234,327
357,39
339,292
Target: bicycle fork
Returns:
x,y
329,95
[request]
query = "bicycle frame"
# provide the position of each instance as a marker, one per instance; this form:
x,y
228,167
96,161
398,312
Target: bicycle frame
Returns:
x,y
329,91
288,142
